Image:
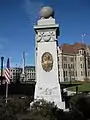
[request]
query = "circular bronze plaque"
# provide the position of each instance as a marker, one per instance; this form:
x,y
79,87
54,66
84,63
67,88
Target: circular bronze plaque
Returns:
x,y
47,61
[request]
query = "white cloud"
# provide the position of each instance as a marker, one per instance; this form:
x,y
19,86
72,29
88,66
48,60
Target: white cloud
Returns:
x,y
32,9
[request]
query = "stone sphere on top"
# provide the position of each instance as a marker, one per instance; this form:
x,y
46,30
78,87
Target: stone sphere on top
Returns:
x,y
46,12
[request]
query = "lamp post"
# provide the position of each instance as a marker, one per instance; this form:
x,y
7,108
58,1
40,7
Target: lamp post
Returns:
x,y
2,59
83,37
70,75
16,73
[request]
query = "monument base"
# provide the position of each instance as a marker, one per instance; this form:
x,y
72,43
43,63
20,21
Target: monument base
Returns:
x,y
61,105
49,94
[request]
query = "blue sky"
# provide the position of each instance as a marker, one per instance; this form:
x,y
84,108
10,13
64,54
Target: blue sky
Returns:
x,y
17,18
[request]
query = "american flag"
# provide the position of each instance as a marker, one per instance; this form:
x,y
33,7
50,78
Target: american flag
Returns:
x,y
7,72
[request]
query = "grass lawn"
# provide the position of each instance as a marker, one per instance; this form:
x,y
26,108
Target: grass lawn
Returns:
x,y
84,87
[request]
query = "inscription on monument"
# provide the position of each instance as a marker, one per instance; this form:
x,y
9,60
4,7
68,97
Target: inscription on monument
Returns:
x,y
47,62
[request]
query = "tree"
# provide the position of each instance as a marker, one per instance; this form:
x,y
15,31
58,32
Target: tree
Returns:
x,y
80,106
14,106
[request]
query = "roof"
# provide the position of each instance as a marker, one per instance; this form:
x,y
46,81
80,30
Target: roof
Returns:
x,y
26,67
18,68
72,48
30,67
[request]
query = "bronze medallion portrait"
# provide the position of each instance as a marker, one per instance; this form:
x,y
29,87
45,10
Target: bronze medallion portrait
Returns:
x,y
47,61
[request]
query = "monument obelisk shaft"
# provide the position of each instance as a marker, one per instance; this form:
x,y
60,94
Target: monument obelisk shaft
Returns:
x,y
47,80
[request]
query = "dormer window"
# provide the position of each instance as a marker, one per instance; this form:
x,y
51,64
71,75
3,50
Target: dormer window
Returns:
x,y
81,51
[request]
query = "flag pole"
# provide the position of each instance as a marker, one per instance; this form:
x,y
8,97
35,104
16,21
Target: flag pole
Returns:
x,y
7,76
6,92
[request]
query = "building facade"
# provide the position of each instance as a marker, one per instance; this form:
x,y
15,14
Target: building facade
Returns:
x,y
15,73
74,62
29,74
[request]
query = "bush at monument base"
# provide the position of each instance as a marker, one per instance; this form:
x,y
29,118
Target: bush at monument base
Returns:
x,y
43,110
18,109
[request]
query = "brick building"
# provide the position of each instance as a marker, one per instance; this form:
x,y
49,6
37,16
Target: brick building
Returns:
x,y
74,62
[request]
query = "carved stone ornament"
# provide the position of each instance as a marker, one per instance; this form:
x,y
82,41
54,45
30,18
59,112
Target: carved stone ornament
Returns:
x,y
39,36
47,62
46,36
53,35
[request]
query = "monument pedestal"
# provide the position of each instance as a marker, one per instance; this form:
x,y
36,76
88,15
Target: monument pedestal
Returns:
x,y
47,78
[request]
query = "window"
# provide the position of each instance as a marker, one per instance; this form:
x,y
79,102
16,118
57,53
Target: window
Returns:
x,y
65,58
80,58
65,73
76,73
65,65
59,66
81,65
88,62
72,73
80,51
72,66
58,58
81,73
75,58
88,73
68,65
72,59
13,73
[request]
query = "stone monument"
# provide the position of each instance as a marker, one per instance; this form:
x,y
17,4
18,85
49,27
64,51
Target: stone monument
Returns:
x,y
47,79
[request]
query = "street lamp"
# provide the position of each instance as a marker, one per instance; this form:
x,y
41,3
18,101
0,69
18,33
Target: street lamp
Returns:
x,y
16,73
70,74
83,37
2,59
